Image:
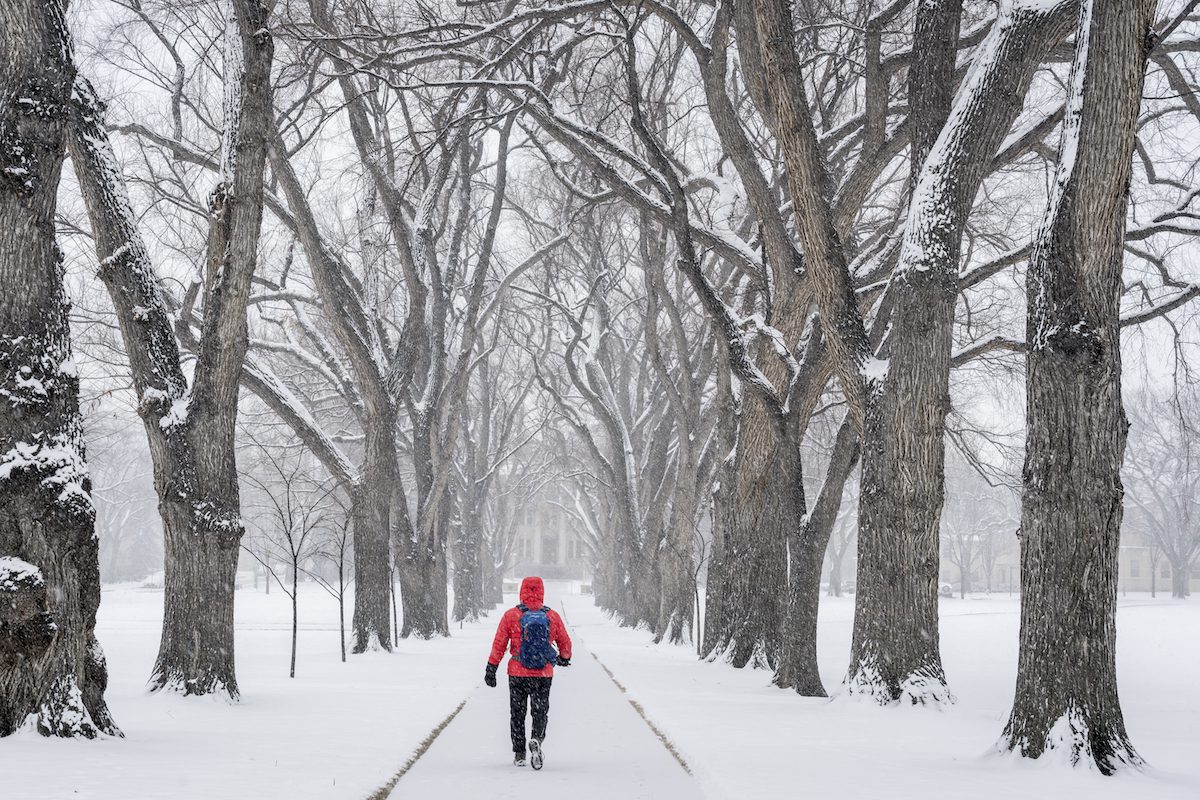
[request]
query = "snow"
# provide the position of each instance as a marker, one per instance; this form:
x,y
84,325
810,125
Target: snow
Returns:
x,y
69,368
15,570
744,738
875,369
335,731
60,463
116,256
345,730
177,414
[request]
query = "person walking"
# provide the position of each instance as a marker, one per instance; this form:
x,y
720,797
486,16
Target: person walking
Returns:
x,y
530,632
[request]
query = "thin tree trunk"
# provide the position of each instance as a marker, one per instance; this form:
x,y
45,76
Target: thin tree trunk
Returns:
x,y
295,613
342,607
1066,694
52,670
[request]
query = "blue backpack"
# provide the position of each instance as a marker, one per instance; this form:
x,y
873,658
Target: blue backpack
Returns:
x,y
535,651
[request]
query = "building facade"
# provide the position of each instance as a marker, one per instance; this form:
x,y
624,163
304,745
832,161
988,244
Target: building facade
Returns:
x,y
1143,568
546,544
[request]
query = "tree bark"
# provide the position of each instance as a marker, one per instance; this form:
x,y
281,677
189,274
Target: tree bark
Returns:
x,y
370,509
677,589
468,566
423,593
1066,693
931,77
798,668
764,501
52,670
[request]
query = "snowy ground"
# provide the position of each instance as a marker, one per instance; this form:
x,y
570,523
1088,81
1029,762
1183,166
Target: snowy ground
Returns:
x,y
335,731
343,730
744,738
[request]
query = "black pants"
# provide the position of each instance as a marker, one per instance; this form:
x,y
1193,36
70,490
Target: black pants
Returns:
x,y
534,692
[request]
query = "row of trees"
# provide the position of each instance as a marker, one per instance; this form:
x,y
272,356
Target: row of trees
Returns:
x,y
702,264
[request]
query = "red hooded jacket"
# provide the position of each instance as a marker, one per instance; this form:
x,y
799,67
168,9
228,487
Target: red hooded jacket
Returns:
x,y
508,633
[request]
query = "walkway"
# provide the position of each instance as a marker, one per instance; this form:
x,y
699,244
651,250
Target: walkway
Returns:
x,y
597,748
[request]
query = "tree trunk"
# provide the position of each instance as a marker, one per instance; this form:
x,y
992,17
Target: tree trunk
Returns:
x,y
468,567
295,613
342,607
1066,694
835,574
895,653
763,503
195,655
493,574
676,571
798,668
421,543
370,509
52,670
715,595
423,594
1180,581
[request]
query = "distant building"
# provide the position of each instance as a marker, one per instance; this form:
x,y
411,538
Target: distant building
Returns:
x,y
995,570
546,544
1144,568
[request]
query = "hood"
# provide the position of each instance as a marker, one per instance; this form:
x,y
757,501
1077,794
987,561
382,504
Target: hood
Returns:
x,y
533,591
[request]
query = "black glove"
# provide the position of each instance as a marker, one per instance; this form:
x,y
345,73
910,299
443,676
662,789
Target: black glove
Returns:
x,y
489,675
562,662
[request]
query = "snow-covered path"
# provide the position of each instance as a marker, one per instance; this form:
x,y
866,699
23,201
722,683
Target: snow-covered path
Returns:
x,y
597,747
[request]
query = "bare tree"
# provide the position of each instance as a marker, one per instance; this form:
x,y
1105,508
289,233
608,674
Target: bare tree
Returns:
x,y
191,425
1163,478
334,547
292,508
977,521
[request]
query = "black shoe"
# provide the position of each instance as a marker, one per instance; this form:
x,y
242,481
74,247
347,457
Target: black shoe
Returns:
x,y
535,753
518,759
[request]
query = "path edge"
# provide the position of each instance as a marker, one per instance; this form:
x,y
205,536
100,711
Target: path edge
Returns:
x,y
662,737
384,791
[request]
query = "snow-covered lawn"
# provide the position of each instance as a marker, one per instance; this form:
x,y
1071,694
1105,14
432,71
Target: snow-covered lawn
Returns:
x,y
745,739
335,731
342,730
